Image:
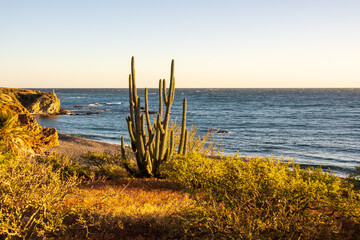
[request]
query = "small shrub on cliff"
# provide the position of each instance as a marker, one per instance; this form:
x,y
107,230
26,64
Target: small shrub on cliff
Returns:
x,y
32,199
263,199
12,136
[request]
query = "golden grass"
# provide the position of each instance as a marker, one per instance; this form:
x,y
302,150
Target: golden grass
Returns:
x,y
129,208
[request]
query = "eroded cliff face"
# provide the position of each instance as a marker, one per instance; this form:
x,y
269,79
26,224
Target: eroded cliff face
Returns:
x,y
35,102
23,103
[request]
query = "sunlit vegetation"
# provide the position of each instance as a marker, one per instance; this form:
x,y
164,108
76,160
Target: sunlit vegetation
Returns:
x,y
129,209
263,198
13,137
53,196
197,198
32,198
196,195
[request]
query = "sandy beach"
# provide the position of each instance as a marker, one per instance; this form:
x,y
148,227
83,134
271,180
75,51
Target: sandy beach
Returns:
x,y
76,146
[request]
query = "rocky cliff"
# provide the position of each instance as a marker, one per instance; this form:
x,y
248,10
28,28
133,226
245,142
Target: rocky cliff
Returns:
x,y
22,103
34,101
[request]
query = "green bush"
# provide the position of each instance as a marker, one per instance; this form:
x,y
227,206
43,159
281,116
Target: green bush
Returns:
x,y
32,199
354,178
106,165
262,199
66,166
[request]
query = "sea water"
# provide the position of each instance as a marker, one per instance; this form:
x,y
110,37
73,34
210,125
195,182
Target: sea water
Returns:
x,y
318,127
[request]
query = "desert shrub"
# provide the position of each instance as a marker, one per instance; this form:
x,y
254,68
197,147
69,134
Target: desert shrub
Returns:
x,y
106,165
67,166
5,156
354,178
32,199
262,199
201,144
196,142
97,165
13,137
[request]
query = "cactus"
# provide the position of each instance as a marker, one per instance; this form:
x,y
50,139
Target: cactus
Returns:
x,y
183,136
153,144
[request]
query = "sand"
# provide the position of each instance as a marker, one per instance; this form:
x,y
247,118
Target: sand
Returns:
x,y
76,146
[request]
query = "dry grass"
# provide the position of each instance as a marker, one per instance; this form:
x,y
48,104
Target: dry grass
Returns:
x,y
129,208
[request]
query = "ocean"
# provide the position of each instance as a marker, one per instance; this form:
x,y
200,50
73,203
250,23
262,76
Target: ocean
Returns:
x,y
316,127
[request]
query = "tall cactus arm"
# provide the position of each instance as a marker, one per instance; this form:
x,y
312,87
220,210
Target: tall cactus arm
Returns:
x,y
170,97
170,150
123,152
157,143
138,131
183,127
148,121
149,164
131,130
133,79
152,149
185,144
150,140
172,82
159,125
131,99
137,117
164,91
135,144
172,143
160,99
143,129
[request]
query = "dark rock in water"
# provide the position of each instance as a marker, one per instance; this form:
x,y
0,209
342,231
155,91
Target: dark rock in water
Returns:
x,y
222,131
150,112
62,112
78,106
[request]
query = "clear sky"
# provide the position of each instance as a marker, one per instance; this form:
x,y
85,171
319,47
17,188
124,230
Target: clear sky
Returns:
x,y
228,43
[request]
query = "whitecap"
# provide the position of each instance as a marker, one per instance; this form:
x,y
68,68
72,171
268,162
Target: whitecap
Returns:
x,y
96,105
113,103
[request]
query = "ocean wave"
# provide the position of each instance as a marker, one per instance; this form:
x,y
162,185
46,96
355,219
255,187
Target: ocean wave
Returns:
x,y
95,105
113,103
71,97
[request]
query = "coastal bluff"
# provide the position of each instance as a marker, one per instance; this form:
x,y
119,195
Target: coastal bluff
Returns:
x,y
22,103
34,101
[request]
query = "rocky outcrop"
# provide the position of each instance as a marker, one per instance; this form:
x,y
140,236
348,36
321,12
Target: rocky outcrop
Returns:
x,y
13,101
34,101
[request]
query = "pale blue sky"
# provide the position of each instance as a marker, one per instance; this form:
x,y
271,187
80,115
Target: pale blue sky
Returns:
x,y
258,43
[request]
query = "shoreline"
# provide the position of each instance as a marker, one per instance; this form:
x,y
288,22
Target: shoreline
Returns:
x,y
76,146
